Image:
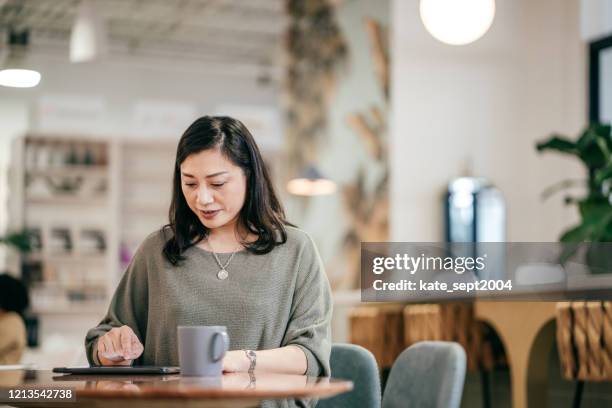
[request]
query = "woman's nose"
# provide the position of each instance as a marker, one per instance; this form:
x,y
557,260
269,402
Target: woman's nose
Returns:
x,y
204,196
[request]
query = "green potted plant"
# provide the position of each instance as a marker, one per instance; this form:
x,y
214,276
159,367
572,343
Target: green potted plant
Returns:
x,y
594,149
20,240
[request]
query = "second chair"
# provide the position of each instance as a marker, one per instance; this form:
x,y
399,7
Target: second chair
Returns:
x,y
428,374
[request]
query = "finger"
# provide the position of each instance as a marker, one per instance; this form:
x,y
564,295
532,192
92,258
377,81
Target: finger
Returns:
x,y
126,343
137,347
108,345
108,351
112,351
101,346
116,338
136,341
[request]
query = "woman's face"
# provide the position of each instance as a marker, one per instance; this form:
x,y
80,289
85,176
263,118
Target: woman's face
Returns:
x,y
214,188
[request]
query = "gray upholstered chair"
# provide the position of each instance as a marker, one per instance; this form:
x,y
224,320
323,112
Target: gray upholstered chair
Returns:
x,y
427,374
355,363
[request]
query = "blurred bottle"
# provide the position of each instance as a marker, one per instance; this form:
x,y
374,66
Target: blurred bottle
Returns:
x,y
475,211
72,157
88,157
476,223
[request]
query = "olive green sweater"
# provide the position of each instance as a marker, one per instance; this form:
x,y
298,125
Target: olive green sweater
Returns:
x,y
268,301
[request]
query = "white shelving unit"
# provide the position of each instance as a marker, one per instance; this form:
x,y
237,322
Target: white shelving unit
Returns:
x,y
61,189
91,201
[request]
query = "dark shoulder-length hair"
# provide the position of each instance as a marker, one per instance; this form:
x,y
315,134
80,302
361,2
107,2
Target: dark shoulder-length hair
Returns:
x,y
13,294
262,212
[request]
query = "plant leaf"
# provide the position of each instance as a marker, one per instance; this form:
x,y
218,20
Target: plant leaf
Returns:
x,y
604,173
20,240
569,249
572,239
560,186
589,151
579,233
605,131
558,143
596,214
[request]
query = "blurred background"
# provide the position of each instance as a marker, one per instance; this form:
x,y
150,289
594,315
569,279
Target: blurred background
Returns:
x,y
380,121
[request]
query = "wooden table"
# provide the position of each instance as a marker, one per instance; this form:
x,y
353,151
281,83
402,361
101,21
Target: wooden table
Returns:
x,y
230,390
527,331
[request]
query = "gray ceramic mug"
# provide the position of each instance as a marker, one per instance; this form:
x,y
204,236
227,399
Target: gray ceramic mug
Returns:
x,y
201,350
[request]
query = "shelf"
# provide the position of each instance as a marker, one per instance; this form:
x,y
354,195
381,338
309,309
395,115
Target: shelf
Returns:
x,y
57,284
68,200
64,258
167,146
141,176
71,308
76,170
146,210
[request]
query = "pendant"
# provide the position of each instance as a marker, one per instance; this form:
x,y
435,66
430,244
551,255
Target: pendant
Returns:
x,y
222,274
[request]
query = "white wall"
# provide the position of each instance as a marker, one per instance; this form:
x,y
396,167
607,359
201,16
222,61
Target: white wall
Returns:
x,y
487,104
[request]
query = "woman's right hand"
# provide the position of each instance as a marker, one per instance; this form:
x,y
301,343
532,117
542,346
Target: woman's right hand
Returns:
x,y
119,346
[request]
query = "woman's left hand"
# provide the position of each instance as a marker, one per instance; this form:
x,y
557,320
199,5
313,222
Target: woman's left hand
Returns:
x,y
235,361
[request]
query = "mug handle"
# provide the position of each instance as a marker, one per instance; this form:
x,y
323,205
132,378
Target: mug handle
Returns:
x,y
216,356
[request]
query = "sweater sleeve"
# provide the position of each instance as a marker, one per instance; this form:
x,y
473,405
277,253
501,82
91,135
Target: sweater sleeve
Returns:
x,y
129,306
309,324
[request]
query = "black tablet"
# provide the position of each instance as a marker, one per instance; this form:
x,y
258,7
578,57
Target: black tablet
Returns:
x,y
123,370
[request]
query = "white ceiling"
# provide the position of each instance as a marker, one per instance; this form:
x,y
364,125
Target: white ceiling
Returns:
x,y
226,32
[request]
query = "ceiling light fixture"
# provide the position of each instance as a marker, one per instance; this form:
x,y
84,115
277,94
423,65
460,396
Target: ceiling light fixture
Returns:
x,y
311,183
14,72
457,22
88,39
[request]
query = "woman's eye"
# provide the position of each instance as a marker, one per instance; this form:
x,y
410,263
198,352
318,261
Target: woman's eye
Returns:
x,y
190,185
217,184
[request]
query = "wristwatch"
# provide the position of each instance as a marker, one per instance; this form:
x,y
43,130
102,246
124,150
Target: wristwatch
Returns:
x,y
252,356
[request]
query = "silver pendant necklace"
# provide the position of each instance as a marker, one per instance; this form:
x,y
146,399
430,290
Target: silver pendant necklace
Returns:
x,y
222,274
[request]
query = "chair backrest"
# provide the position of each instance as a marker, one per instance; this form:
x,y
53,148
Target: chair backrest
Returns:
x,y
427,374
355,363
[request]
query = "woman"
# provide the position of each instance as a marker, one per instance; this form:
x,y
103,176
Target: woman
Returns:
x,y
228,257
13,302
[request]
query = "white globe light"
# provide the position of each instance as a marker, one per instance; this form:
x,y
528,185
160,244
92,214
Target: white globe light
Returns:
x,y
19,78
457,22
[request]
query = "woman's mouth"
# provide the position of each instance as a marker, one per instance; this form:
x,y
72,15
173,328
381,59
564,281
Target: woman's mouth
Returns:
x,y
210,214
